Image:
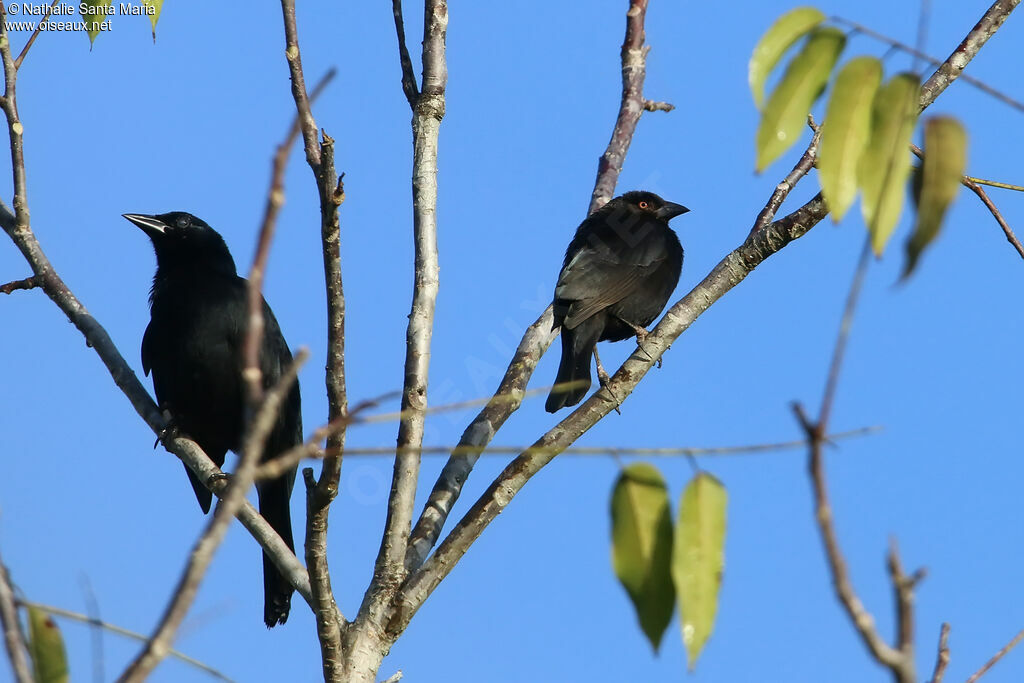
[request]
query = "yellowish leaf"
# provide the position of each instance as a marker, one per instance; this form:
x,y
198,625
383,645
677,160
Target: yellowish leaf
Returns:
x,y
779,37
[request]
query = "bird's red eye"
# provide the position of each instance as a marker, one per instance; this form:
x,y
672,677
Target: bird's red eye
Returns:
x,y
643,205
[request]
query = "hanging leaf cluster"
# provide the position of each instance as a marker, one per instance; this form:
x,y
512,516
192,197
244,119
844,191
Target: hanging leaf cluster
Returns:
x,y
866,133
661,565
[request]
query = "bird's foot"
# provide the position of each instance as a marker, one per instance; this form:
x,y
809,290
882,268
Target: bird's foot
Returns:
x,y
214,479
605,381
170,430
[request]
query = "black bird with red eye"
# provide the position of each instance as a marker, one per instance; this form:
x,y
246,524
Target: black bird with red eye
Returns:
x,y
619,271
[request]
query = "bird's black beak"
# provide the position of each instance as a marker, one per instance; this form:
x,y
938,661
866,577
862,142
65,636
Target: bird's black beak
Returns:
x,y
670,210
151,225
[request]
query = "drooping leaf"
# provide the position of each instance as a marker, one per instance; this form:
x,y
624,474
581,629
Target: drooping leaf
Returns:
x,y
698,556
46,645
642,546
779,37
94,13
845,132
153,8
945,158
785,114
886,162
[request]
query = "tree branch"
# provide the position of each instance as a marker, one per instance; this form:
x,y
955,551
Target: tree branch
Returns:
x,y
428,111
632,105
14,639
319,494
954,65
26,283
409,87
996,657
942,658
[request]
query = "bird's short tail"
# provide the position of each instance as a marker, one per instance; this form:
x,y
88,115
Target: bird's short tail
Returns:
x,y
277,591
573,380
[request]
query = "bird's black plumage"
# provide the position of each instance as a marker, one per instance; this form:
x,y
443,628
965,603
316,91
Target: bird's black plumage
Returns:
x,y
193,346
619,271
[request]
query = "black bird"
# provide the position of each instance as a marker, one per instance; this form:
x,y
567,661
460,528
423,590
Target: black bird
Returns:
x,y
193,345
619,271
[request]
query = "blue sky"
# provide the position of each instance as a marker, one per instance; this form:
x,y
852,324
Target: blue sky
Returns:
x,y
191,122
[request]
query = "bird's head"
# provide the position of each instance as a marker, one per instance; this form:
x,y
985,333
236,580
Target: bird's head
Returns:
x,y
650,203
182,240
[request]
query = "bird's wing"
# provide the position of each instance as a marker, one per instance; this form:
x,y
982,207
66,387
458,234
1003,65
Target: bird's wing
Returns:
x,y
592,283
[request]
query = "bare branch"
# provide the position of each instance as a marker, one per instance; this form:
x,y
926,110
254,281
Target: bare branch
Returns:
x,y
633,104
942,658
412,92
14,639
428,111
113,628
954,65
320,156
919,54
251,373
990,205
782,190
202,553
996,657
27,283
35,34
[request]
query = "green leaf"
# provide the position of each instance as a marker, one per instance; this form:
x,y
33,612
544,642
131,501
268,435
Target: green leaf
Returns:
x,y
642,546
94,13
846,131
945,158
779,37
886,162
785,115
49,660
698,555
153,8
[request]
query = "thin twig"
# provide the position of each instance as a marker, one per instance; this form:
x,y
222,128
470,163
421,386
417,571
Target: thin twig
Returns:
x,y
983,196
27,283
975,187
942,656
251,373
632,105
995,183
14,638
996,657
35,34
409,87
782,190
980,85
106,626
158,646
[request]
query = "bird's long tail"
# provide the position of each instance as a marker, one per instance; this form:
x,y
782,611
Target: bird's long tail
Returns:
x,y
274,498
577,347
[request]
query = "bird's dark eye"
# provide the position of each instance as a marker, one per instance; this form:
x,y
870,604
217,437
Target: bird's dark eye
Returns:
x,y
643,204
182,222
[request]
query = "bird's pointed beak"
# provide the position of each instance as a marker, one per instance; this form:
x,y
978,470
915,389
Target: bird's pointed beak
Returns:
x,y
151,225
670,210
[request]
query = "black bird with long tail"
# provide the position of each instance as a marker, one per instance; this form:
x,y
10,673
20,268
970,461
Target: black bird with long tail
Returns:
x,y
619,271
193,346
